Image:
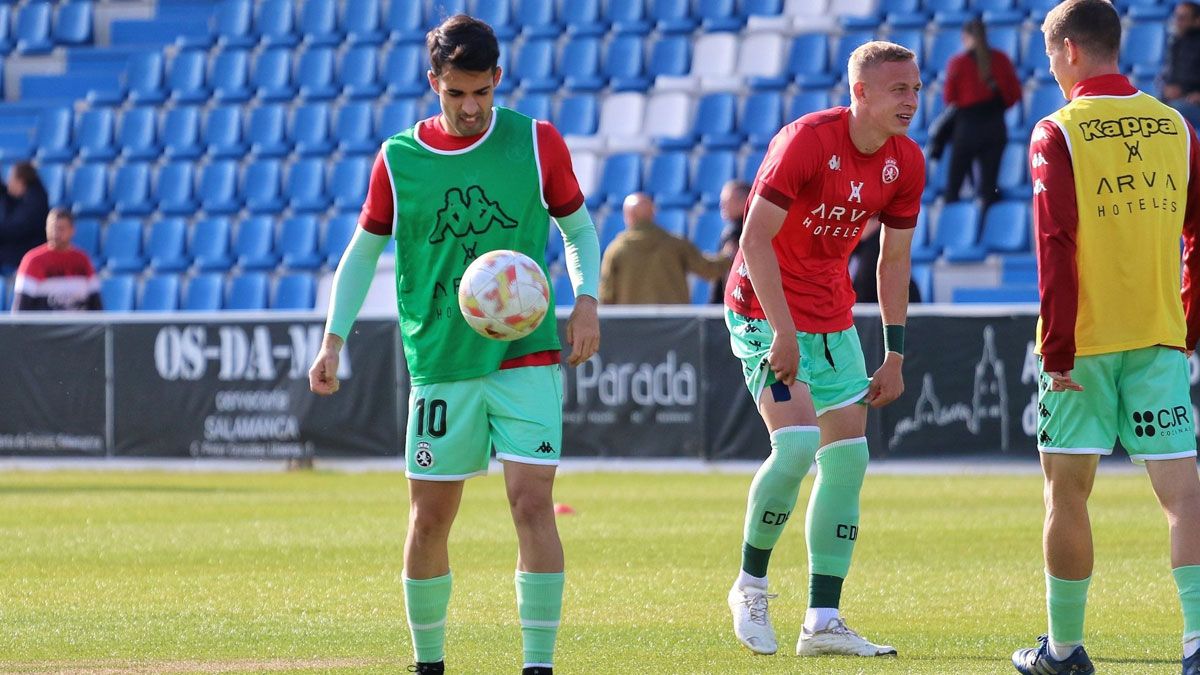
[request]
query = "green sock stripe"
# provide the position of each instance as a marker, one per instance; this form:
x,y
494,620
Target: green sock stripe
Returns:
x,y
824,590
755,560
425,603
1187,580
1066,605
539,606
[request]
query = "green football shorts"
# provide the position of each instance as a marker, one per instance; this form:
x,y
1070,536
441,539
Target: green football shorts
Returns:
x,y
831,364
1140,396
453,426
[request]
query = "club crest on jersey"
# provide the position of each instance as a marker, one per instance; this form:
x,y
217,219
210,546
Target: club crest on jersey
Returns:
x,y
891,170
835,163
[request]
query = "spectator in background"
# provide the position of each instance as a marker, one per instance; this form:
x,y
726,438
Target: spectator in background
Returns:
x,y
646,265
1181,70
981,84
23,210
56,275
733,211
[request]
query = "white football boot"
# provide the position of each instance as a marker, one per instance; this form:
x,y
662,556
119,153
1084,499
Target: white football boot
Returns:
x,y
751,624
838,638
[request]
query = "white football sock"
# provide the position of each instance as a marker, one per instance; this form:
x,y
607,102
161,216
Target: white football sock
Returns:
x,y
747,580
818,618
1061,650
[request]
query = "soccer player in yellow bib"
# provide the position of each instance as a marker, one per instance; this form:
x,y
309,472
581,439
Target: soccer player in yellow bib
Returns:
x,y
1115,186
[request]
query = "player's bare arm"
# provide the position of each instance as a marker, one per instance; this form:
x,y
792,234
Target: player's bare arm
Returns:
x,y
322,377
583,330
763,222
895,263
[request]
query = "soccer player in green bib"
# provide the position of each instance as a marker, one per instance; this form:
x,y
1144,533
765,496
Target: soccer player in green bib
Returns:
x,y
473,179
1115,187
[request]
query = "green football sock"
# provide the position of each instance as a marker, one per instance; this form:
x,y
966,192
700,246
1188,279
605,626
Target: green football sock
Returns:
x,y
831,525
426,601
773,494
1066,601
539,604
1187,579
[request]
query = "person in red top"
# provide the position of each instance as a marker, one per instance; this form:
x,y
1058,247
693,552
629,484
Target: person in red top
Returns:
x,y
56,275
981,84
788,307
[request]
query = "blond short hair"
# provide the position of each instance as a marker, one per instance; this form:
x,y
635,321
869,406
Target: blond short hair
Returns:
x,y
874,53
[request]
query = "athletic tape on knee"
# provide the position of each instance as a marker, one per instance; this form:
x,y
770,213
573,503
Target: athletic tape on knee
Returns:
x,y
777,483
831,524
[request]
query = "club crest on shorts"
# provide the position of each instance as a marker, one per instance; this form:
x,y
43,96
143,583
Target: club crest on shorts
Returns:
x,y
424,457
891,170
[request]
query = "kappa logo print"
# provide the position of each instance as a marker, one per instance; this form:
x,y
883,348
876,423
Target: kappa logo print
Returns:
x,y
424,457
545,447
856,191
835,163
1135,152
891,170
1126,127
468,213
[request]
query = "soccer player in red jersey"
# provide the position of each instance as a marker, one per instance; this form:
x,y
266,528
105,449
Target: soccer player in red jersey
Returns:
x,y
788,308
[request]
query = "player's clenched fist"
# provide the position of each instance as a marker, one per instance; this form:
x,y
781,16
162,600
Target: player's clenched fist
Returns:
x,y
887,383
322,377
784,357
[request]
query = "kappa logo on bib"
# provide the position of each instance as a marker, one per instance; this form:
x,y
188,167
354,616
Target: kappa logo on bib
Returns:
x,y
424,457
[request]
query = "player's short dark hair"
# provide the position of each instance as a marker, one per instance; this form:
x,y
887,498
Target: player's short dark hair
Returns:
x,y
1093,25
61,213
462,42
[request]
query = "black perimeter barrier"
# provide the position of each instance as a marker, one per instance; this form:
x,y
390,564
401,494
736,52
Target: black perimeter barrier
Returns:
x,y
664,385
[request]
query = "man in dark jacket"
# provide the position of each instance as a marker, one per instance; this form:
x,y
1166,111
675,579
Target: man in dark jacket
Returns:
x,y
1181,68
23,210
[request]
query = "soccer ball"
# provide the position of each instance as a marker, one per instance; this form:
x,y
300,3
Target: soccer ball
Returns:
x,y
504,295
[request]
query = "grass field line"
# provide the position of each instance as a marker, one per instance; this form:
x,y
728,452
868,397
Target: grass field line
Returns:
x,y
125,667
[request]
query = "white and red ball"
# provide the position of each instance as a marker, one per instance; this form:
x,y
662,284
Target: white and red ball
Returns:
x,y
504,295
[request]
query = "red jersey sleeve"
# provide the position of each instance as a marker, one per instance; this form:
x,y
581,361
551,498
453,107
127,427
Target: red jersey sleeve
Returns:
x,y
377,211
789,164
1055,223
559,185
1191,256
901,214
1006,78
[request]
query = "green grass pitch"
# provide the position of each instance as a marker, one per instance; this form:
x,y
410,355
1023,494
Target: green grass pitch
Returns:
x,y
176,573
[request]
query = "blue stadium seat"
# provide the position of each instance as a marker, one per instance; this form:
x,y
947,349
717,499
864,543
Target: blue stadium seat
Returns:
x,y
348,183
805,102
627,16
232,22
297,243
185,77
87,238
991,6
265,134
620,176
535,17
945,5
6,33
713,169
357,72
762,116
318,22
582,17
1006,39
261,186
750,165
670,55
535,105
203,292
117,292
95,134
1033,57
223,132
229,78
294,291
181,132
52,136
353,131
404,23
438,11
761,7
719,15
807,65
144,78
396,116
555,248
209,247
1006,227
1019,268
624,64
338,231
271,78
160,293
706,232
667,180
218,187
1011,179
166,246
87,190
247,291
305,188
361,21
33,28
309,131
135,134
404,70
1014,120
922,276
912,38
1045,99
998,294
276,24
922,249
564,295
673,220
254,243
122,245
957,232
1144,44
672,16
498,15
848,42
314,71
131,189
73,24
174,188
580,65
577,115
611,225
713,124
946,42
534,66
